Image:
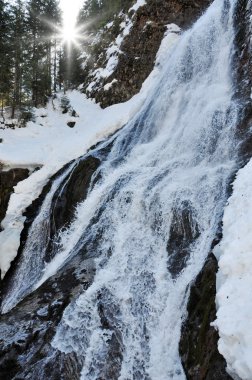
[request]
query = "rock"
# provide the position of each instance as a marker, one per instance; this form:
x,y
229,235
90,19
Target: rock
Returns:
x,y
183,233
198,345
71,124
26,332
143,41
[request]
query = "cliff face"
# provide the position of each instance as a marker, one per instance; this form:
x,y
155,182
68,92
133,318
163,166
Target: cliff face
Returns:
x,y
138,50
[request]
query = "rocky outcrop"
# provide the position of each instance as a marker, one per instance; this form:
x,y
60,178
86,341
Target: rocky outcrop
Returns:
x,y
139,49
198,346
9,179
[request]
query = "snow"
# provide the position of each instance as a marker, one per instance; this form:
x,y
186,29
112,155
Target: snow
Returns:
x,y
234,279
137,5
109,85
49,144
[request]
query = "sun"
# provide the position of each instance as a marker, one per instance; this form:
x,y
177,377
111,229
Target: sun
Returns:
x,y
69,33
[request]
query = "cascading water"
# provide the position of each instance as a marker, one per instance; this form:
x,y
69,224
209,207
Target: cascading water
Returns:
x,y
165,178
33,256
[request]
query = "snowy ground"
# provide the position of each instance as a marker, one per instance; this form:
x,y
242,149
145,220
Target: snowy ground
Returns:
x,y
49,143
234,280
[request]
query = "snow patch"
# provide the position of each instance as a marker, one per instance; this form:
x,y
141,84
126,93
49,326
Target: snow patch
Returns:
x,y
137,5
109,85
234,278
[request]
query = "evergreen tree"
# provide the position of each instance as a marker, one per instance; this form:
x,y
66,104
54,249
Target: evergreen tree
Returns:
x,y
5,56
43,16
18,48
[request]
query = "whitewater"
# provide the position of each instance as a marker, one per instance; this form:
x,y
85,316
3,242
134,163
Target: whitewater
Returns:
x,y
168,169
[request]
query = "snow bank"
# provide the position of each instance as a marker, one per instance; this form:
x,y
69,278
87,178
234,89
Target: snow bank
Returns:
x,y
234,279
49,143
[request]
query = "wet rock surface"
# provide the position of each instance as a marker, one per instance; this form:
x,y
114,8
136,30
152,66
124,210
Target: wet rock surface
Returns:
x,y
198,346
27,331
183,233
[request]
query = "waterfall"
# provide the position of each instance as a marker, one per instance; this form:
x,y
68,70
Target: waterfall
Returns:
x,y
152,214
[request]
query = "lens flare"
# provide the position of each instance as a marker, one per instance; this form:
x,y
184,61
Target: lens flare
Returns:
x,y
70,33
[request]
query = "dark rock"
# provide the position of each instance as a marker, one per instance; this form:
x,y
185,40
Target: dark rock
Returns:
x,y
183,233
26,332
140,47
71,124
73,191
198,345
74,113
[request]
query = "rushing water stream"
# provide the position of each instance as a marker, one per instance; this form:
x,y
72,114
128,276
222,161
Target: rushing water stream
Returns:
x,y
152,214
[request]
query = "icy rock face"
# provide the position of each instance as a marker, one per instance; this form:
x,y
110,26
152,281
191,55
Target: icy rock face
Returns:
x,y
8,180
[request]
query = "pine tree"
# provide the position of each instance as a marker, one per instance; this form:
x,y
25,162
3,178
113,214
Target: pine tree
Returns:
x,y
42,19
5,56
18,48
